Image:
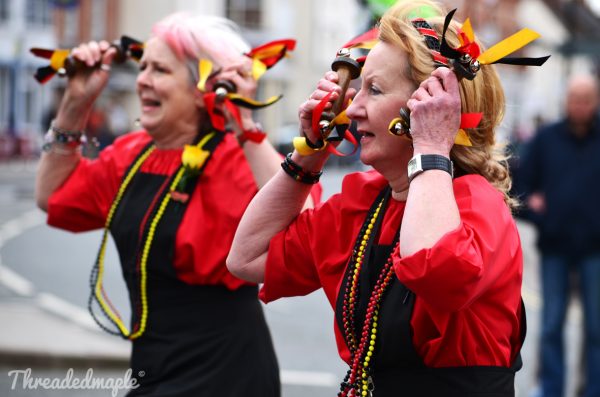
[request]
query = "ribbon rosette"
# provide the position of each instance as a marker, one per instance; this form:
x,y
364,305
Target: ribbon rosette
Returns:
x,y
192,160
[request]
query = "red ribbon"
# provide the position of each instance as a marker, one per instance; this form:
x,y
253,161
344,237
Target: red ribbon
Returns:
x,y
217,118
470,120
260,51
470,47
365,37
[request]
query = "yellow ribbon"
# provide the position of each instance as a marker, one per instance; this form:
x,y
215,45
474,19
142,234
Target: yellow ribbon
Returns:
x,y
508,46
462,138
258,68
204,69
467,29
57,60
252,103
302,147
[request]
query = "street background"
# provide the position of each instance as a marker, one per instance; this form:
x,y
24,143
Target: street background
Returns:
x,y
44,273
44,276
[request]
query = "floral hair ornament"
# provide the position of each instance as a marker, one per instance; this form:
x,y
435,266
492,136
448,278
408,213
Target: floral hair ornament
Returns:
x,y
63,64
466,61
223,101
332,126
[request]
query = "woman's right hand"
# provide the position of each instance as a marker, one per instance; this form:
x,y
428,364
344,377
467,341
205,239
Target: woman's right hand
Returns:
x,y
84,87
327,84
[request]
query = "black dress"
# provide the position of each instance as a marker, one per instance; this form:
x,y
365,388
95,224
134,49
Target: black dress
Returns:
x,y
199,340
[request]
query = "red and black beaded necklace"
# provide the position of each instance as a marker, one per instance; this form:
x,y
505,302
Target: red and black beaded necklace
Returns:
x,y
362,346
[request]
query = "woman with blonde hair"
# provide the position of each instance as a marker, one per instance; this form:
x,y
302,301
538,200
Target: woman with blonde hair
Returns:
x,y
420,257
171,195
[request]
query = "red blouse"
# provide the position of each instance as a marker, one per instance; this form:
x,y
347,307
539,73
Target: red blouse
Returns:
x,y
468,286
206,231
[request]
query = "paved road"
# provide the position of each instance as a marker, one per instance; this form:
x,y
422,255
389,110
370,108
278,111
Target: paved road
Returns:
x,y
57,264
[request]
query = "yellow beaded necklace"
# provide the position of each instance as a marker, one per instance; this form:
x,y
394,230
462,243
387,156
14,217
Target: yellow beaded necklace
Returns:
x,y
98,293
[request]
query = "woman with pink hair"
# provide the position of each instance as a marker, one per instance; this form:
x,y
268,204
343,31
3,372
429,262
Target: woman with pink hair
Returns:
x,y
171,195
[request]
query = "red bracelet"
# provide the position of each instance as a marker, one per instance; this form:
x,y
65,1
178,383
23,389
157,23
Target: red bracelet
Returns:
x,y
257,136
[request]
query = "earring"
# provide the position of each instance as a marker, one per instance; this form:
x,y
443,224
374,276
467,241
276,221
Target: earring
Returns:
x,y
401,125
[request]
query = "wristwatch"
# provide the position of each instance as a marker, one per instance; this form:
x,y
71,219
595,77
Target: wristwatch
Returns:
x,y
423,162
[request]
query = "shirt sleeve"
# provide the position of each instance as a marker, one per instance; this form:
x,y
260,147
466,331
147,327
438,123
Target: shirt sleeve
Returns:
x,y
314,250
465,262
308,255
290,269
82,202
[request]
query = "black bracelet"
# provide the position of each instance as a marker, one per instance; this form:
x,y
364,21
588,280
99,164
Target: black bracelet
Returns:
x,y
298,173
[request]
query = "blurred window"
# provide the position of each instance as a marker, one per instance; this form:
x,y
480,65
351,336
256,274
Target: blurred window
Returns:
x,y
246,13
38,13
3,10
70,26
4,95
98,21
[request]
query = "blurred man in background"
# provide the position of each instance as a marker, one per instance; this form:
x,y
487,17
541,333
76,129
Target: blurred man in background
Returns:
x,y
560,181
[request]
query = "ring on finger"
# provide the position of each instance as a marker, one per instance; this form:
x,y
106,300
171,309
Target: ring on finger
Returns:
x,y
105,67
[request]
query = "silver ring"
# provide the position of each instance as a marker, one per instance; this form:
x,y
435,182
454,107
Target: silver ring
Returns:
x,y
105,67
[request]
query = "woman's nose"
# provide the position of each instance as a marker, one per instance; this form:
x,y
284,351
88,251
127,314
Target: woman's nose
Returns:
x,y
355,111
142,78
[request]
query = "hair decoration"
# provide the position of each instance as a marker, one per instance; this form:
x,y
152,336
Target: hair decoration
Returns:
x,y
467,59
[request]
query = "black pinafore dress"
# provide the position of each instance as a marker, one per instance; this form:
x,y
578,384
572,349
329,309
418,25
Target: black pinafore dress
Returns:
x,y
199,340
398,370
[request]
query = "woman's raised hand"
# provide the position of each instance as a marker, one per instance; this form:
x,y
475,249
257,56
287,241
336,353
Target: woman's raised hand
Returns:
x,y
327,84
240,74
87,83
435,113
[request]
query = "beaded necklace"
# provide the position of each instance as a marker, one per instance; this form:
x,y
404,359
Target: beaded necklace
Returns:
x,y
98,293
362,347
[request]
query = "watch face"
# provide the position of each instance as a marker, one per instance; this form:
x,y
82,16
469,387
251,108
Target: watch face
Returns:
x,y
414,165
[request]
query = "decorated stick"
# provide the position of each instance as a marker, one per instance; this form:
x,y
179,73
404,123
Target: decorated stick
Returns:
x,y
63,64
347,69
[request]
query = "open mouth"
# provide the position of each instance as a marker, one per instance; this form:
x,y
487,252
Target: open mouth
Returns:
x,y
150,103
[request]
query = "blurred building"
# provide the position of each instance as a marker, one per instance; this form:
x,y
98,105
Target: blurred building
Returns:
x,y
24,104
569,31
320,28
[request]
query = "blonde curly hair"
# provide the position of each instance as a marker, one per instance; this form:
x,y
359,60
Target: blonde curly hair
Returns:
x,y
484,94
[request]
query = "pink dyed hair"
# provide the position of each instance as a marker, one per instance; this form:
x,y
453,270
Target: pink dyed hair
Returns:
x,y
192,38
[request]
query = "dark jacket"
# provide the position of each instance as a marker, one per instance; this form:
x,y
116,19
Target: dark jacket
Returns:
x,y
566,170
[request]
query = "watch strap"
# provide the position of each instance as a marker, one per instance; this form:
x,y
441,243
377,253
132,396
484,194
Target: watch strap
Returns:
x,y
424,162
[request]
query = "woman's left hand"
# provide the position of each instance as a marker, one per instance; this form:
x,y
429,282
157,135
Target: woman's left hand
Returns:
x,y
240,74
435,113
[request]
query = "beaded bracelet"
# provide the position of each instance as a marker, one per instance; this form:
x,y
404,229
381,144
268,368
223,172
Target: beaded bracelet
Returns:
x,y
298,173
67,141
